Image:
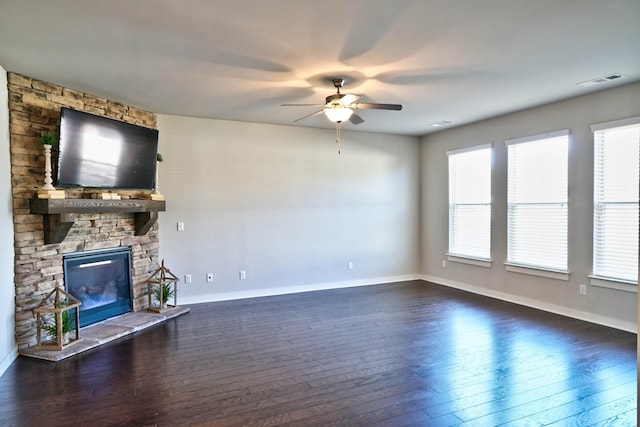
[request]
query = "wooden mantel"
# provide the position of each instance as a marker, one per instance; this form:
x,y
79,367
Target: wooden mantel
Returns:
x,y
60,214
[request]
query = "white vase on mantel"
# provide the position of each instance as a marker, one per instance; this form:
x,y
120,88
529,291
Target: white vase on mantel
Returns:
x,y
48,191
47,169
156,191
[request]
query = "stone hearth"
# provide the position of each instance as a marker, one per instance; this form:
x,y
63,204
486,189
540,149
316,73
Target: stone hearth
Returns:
x,y
106,331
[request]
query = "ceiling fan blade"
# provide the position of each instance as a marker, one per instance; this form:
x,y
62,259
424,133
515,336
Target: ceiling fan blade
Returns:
x,y
356,119
348,99
369,106
302,105
309,115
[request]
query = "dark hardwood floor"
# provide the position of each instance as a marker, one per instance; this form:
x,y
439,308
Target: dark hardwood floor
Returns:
x,y
388,355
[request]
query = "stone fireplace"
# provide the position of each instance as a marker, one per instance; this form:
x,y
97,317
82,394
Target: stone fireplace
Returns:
x,y
34,109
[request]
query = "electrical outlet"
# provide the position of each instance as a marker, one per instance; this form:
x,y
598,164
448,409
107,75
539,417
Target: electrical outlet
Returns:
x,y
444,263
209,277
582,289
243,274
187,278
180,226
350,265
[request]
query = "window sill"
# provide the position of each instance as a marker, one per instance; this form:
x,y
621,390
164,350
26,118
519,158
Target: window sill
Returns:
x,y
479,262
604,282
533,271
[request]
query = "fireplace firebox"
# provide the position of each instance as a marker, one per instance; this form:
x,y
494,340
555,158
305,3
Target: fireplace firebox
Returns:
x,y
101,280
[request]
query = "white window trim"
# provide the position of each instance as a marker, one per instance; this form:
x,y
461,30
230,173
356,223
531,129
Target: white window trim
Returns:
x,y
529,269
468,149
537,271
609,283
548,135
464,259
467,259
615,124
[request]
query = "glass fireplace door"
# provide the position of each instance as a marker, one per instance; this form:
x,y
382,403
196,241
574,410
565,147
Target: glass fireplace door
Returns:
x,y
101,280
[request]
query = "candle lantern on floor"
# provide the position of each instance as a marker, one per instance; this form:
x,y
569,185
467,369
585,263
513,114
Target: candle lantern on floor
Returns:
x,y
161,288
57,306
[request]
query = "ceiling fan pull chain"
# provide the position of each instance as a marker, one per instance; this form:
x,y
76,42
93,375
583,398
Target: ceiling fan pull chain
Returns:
x,y
338,136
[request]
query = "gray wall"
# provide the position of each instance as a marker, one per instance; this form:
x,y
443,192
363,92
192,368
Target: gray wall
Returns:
x,y
8,347
281,204
613,307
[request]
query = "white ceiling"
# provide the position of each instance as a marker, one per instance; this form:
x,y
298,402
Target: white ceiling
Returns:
x,y
456,60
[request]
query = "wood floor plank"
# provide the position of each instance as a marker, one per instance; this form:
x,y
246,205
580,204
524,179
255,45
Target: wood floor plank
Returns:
x,y
397,354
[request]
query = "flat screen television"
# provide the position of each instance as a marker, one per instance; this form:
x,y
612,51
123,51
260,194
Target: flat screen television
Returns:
x,y
99,152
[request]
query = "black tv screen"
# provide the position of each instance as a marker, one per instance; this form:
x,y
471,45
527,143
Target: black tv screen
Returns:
x,y
100,152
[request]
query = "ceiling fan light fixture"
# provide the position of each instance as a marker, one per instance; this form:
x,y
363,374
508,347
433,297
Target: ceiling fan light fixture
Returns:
x,y
338,113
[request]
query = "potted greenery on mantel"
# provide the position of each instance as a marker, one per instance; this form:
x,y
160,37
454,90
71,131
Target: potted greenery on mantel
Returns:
x,y
48,139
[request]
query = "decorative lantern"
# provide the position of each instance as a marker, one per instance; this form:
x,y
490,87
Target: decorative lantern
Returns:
x,y
57,305
161,288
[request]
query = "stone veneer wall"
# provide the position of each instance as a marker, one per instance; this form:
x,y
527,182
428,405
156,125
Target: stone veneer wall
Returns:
x,y
34,109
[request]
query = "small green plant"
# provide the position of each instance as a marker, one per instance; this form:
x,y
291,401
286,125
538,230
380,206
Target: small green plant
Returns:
x,y
167,292
67,322
48,139
159,157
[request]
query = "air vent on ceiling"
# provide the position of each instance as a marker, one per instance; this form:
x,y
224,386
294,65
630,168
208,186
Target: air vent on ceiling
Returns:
x,y
441,123
604,79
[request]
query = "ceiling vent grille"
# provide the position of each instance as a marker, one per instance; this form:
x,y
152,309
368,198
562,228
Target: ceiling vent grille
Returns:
x,y
441,123
604,79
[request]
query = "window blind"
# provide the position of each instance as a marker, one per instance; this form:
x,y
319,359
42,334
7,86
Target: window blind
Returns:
x,y
615,199
470,202
537,201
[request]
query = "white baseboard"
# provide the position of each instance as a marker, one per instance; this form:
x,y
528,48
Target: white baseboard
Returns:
x,y
528,302
539,305
254,293
8,360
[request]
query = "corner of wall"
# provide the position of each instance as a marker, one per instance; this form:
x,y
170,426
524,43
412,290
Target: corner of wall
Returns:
x,y
8,346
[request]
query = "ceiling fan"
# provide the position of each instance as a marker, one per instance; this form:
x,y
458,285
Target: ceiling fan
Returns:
x,y
339,106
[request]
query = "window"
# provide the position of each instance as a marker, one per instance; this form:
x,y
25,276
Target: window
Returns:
x,y
537,201
470,202
615,200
